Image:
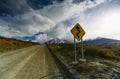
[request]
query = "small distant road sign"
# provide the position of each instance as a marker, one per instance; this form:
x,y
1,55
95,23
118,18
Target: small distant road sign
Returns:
x,y
78,31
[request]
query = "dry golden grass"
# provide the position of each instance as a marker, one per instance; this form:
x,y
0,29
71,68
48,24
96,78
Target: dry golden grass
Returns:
x,y
7,44
90,51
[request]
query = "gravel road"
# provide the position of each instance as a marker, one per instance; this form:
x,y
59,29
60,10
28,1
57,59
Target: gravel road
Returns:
x,y
33,62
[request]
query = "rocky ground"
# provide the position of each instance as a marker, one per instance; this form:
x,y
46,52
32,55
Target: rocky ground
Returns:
x,y
101,69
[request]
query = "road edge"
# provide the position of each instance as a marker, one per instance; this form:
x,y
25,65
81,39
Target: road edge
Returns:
x,y
64,70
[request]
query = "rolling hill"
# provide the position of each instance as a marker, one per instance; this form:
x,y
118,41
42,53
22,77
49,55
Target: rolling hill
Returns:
x,y
8,44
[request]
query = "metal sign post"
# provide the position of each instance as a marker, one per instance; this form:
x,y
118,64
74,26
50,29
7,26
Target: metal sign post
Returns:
x,y
82,49
75,49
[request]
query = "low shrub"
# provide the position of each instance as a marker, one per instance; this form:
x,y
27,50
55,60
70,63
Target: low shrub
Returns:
x,y
96,51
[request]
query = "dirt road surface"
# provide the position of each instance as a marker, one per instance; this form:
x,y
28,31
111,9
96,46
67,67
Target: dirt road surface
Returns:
x,y
33,62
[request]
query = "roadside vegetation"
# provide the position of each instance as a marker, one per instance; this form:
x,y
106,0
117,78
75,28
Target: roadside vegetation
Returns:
x,y
102,60
108,51
7,44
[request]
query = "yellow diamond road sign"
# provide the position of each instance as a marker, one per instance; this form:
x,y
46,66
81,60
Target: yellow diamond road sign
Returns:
x,y
78,32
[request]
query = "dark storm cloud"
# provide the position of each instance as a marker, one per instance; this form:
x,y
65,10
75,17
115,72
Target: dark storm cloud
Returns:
x,y
19,16
13,7
39,4
77,1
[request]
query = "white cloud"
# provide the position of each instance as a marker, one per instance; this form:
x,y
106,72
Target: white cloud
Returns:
x,y
26,24
7,32
61,11
107,25
42,38
57,32
58,13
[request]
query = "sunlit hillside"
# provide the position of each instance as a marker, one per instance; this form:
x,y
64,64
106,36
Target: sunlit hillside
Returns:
x,y
7,44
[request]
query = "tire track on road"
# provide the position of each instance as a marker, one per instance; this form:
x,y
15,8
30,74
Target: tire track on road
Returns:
x,y
18,67
10,61
35,62
34,67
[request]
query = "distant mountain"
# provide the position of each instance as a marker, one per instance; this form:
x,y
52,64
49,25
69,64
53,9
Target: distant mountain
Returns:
x,y
58,41
101,41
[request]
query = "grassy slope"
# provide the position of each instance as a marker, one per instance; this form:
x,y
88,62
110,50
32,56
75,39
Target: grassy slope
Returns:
x,y
7,44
